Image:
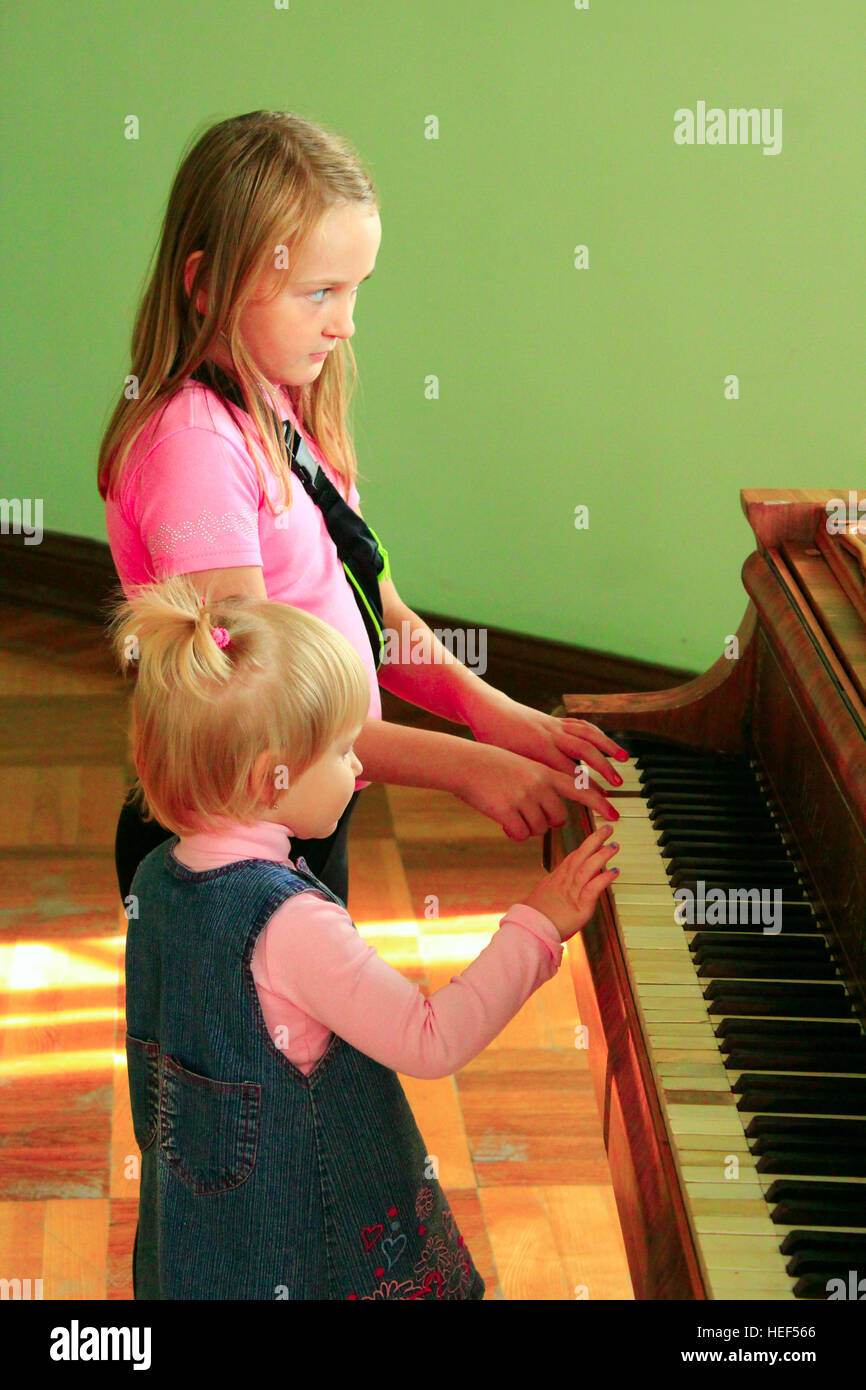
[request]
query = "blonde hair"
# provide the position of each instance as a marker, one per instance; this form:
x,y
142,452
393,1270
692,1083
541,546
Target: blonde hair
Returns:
x,y
287,685
247,186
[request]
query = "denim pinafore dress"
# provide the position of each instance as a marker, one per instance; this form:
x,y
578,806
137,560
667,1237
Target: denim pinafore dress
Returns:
x,y
258,1182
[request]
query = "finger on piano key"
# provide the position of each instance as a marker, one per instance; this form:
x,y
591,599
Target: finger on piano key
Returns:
x,y
628,771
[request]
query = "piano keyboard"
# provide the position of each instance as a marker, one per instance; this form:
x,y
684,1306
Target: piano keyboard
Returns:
x,y
758,1056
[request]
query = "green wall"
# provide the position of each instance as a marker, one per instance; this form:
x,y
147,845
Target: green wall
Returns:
x,y
558,386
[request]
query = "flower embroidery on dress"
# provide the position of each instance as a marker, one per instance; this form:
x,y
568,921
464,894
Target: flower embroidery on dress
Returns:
x,y
207,527
444,1270
424,1203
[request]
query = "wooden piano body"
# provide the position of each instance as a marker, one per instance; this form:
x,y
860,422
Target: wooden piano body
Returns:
x,y
794,699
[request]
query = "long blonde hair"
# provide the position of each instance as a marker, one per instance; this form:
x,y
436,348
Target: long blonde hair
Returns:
x,y
287,684
248,185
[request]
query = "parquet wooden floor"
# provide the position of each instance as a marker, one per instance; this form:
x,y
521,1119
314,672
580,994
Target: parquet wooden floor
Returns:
x,y
516,1132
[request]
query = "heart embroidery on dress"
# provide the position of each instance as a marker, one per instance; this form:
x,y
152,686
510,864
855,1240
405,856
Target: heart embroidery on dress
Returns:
x,y
370,1235
393,1248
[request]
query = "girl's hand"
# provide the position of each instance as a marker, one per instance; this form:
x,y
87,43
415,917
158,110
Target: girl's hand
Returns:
x,y
525,797
558,743
568,895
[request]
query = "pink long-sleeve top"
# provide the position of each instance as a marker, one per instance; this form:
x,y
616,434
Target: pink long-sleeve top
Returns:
x,y
315,975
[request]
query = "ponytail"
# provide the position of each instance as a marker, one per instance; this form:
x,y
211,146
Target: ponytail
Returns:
x,y
165,632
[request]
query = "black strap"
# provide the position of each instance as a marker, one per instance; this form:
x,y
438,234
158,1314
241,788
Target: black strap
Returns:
x,y
356,545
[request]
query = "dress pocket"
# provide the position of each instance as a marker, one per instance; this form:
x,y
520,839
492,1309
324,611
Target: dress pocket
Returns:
x,y
142,1065
210,1129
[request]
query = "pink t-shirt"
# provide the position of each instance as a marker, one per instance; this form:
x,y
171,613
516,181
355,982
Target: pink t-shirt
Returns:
x,y
190,499
315,975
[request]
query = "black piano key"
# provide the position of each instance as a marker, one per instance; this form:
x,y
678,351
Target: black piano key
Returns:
x,y
791,1213
741,871
721,967
745,1029
815,1286
821,993
808,1143
831,1087
721,847
778,1059
655,752
811,1161
752,1032
708,820
652,754
683,802
795,919
772,1051
833,1264
834,1130
736,944
828,1193
728,790
791,894
806,1203
750,895
811,1099
731,804
763,946
824,1243
788,1006
721,842
662,820
692,780
757,965
712,775
695,840
807,944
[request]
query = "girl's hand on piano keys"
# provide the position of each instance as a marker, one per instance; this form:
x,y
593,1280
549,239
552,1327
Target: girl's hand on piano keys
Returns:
x,y
568,895
558,743
525,797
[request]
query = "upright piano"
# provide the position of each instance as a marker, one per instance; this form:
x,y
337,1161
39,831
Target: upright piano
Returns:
x,y
722,980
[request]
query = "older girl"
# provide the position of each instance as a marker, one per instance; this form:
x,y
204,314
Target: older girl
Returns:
x,y
272,225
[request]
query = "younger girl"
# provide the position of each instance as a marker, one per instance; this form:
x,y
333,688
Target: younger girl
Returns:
x,y
280,1158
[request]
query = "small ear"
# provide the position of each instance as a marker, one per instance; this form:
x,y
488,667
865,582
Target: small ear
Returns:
x,y
260,783
189,275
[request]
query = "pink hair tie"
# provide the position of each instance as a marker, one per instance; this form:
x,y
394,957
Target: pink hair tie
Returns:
x,y
220,636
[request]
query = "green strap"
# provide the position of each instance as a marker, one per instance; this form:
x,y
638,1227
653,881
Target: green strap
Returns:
x,y
386,573
376,622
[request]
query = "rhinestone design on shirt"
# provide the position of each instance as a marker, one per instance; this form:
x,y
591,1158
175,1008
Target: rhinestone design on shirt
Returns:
x,y
207,527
